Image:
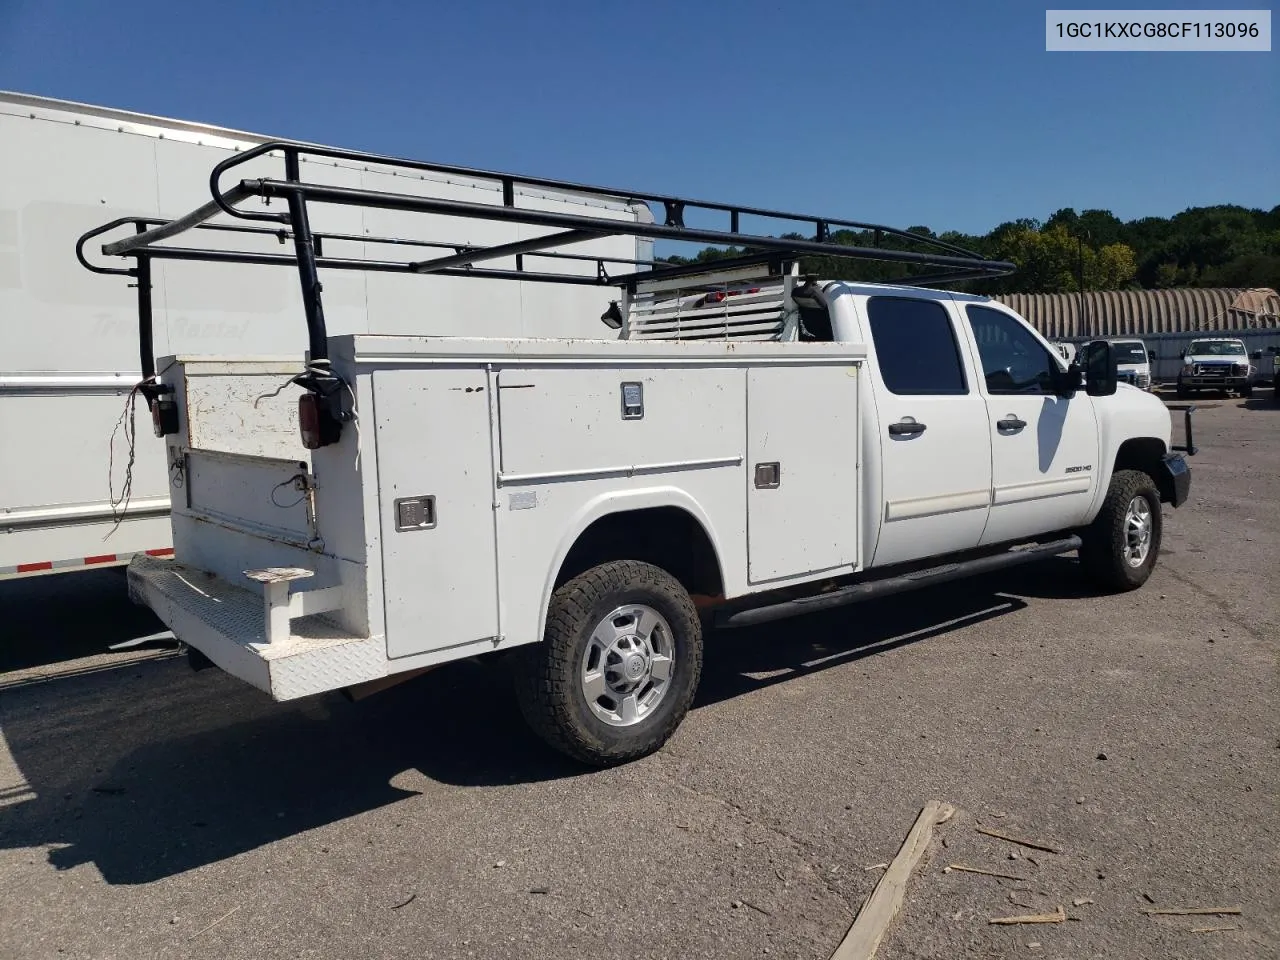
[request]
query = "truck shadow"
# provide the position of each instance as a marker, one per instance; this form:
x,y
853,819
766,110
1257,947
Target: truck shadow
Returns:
x,y
55,618
150,770
1262,403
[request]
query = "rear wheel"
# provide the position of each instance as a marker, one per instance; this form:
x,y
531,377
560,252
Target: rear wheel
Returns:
x,y
1122,544
618,664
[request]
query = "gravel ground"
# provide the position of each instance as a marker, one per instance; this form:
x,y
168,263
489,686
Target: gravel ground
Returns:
x,y
150,811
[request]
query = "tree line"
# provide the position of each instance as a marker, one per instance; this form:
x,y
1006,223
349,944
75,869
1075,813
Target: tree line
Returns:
x,y
1222,246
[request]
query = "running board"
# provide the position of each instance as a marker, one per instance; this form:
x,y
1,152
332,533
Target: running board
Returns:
x,y
908,581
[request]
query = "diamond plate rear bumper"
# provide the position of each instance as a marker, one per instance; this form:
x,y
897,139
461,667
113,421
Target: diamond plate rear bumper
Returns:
x,y
226,623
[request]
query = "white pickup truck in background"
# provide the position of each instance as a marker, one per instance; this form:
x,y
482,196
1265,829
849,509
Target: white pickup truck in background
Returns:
x,y
1133,362
752,444
1216,363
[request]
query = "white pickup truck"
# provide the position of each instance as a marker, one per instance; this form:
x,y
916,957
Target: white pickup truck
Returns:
x,y
1216,363
752,444
1133,362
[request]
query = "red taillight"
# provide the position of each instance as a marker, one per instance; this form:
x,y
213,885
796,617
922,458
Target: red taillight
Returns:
x,y
316,421
164,417
717,296
309,421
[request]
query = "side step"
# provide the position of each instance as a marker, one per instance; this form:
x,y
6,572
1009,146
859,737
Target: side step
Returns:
x,y
856,592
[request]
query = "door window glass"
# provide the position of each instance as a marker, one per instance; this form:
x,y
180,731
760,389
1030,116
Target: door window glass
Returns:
x,y
916,347
1013,361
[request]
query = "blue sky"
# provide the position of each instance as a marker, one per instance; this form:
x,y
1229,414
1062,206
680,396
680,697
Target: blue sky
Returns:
x,y
946,114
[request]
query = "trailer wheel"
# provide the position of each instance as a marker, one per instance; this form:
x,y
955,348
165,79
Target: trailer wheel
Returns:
x,y
1121,545
618,664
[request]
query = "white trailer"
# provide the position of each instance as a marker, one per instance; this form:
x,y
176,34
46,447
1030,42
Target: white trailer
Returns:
x,y
756,444
69,353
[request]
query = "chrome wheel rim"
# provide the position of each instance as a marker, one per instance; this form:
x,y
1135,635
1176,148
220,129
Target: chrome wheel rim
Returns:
x,y
627,665
1137,531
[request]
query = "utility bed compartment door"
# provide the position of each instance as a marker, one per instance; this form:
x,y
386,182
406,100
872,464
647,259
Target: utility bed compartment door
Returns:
x,y
439,557
802,470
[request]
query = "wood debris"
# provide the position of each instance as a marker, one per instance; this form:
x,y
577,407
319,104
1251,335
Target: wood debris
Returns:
x,y
1058,916
215,923
1192,911
986,873
1234,926
872,922
1033,844
1080,901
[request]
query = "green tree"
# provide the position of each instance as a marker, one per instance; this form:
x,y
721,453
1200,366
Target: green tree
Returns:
x,y
1201,246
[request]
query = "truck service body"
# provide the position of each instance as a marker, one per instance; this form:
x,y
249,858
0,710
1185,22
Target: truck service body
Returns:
x,y
752,443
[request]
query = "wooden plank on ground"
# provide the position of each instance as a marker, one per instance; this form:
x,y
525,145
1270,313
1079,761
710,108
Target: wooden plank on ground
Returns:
x,y
872,923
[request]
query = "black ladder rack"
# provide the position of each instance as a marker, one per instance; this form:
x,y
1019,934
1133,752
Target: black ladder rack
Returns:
x,y
146,244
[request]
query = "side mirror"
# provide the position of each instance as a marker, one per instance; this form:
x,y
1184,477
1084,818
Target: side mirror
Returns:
x,y
1099,369
1182,354
1069,381
1151,356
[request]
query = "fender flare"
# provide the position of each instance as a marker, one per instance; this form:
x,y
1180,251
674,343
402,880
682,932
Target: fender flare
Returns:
x,y
622,501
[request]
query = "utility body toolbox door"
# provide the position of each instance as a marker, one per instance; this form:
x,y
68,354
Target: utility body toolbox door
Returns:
x,y
435,480
802,469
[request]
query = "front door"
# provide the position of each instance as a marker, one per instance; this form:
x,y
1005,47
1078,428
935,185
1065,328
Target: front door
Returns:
x,y
935,451
1044,447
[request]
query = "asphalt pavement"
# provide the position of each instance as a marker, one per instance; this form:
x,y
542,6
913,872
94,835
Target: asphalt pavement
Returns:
x,y
148,810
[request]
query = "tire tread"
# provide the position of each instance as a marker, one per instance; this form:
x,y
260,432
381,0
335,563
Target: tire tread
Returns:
x,y
1101,554
546,677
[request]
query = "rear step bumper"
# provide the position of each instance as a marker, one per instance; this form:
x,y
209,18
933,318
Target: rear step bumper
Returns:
x,y
227,623
908,581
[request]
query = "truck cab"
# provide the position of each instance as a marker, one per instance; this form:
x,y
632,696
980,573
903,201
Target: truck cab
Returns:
x,y
1216,363
963,380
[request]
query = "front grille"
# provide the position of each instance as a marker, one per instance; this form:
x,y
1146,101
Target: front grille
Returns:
x,y
1140,380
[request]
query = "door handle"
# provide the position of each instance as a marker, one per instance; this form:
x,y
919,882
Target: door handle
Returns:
x,y
908,429
1011,423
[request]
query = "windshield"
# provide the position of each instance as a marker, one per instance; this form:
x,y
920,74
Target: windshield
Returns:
x,y
1216,348
1130,351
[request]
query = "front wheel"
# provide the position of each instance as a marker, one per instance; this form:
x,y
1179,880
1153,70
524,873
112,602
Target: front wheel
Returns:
x,y
1121,545
618,664
1246,391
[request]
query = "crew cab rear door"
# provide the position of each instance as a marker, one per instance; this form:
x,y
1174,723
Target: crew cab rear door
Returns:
x,y
935,450
1044,447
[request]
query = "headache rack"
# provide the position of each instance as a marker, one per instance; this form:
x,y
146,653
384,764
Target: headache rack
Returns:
x,y
757,310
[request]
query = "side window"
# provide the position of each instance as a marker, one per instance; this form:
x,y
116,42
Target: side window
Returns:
x,y
1013,361
916,346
